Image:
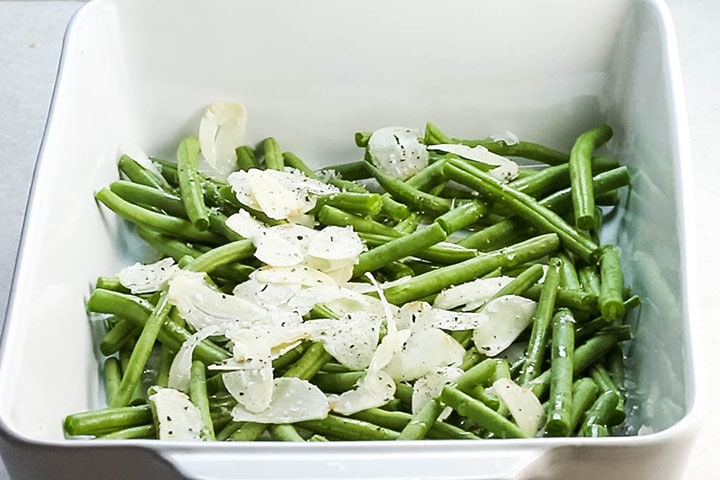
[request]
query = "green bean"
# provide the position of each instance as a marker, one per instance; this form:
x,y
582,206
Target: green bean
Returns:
x,y
611,284
568,275
471,358
529,150
191,190
523,205
431,282
223,255
598,414
149,197
362,139
480,413
584,394
615,362
399,248
139,174
273,155
337,382
609,199
141,352
441,252
396,270
229,430
138,395
462,216
219,195
111,283
591,328
310,363
119,335
329,215
404,392
285,433
550,179
422,421
220,420
581,174
497,235
334,367
541,323
589,279
477,376
245,158
166,245
400,190
347,185
350,170
576,300
171,205
168,170
396,211
606,384
163,374
366,204
113,375
428,177
409,224
502,371
199,398
106,420
142,431
289,357
164,223
561,374
585,355
520,284
248,432
348,429
393,420
399,420
292,160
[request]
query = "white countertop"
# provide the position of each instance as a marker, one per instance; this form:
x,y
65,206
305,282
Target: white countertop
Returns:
x,y
30,40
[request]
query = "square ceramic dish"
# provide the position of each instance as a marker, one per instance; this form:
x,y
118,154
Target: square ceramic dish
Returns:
x,y
311,73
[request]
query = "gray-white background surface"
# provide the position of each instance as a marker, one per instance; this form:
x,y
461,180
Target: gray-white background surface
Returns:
x,y
31,35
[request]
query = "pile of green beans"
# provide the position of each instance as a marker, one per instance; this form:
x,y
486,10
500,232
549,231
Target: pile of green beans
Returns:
x,y
450,223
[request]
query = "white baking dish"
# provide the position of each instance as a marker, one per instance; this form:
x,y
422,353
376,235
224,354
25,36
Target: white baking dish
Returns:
x,y
311,73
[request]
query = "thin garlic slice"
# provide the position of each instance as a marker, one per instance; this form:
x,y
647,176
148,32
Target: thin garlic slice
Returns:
x,y
424,352
374,390
179,376
148,278
201,306
351,340
471,295
222,130
293,400
506,318
397,151
524,406
244,224
178,418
